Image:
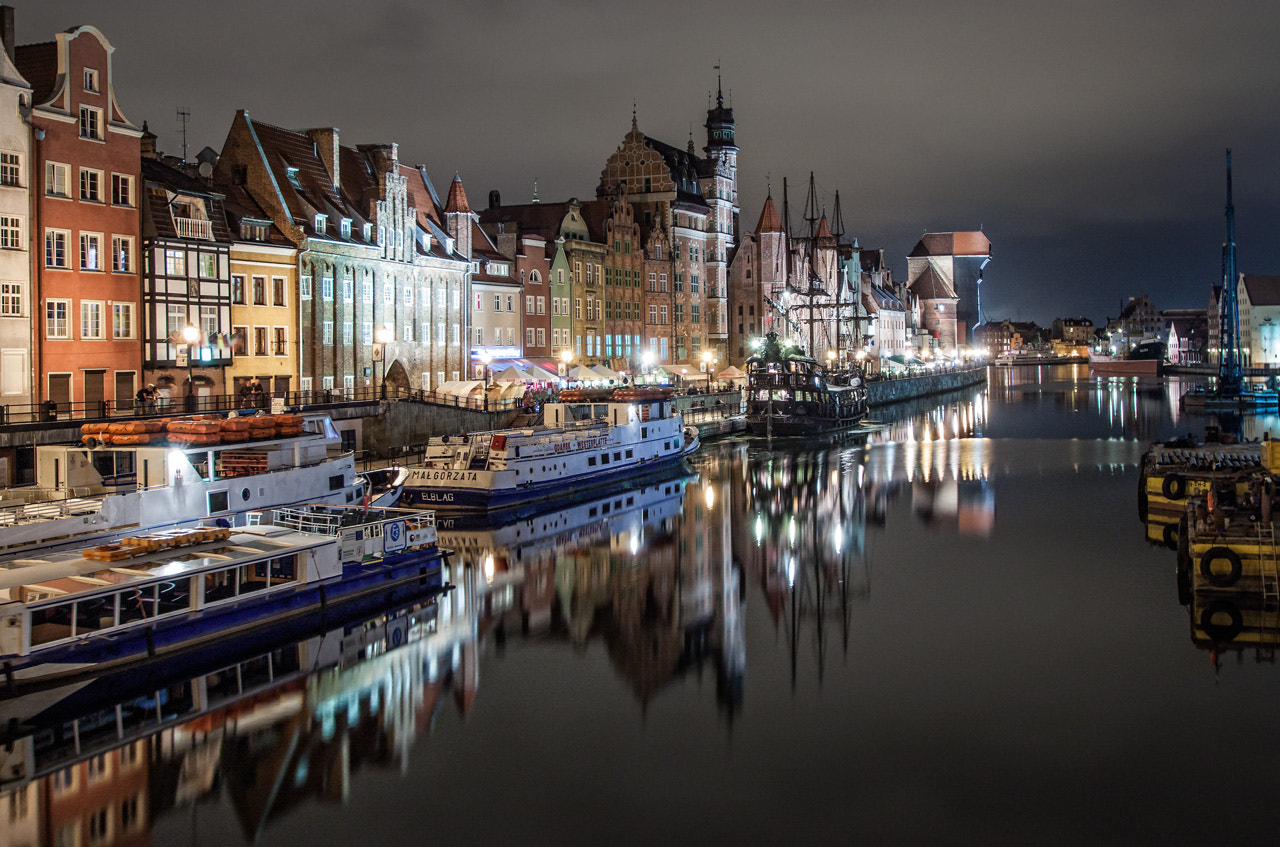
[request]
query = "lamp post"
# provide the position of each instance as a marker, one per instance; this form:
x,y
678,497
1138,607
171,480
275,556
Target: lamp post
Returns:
x,y
191,335
831,361
381,339
566,359
707,359
646,362
486,358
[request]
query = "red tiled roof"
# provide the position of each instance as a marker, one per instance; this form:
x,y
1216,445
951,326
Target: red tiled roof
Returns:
x,y
457,197
824,229
770,220
38,63
952,244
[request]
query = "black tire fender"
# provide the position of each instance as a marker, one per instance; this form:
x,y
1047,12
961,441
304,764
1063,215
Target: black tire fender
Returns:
x,y
1174,486
1219,580
1221,631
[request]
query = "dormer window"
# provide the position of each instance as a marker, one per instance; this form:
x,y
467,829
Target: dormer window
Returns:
x,y
91,81
292,175
367,231
345,227
321,223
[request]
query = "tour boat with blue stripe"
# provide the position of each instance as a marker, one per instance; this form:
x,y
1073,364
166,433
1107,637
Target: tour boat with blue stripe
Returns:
x,y
591,438
71,614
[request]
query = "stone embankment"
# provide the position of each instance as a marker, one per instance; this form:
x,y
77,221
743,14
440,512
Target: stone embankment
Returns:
x,y
881,392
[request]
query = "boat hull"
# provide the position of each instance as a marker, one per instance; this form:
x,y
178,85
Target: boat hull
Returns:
x,y
784,426
1126,367
359,584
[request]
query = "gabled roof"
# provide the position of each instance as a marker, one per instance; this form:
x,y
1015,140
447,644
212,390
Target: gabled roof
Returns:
x,y
952,244
931,285
824,228
239,204
38,64
311,191
1262,290
770,220
156,206
529,218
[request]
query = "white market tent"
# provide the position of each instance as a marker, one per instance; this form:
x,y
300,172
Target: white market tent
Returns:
x,y
606,373
513,374
540,374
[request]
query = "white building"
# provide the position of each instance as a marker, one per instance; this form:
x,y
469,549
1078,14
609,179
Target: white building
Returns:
x,y
15,258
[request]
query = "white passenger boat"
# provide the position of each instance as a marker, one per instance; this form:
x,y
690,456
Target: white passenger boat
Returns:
x,y
84,613
591,438
88,491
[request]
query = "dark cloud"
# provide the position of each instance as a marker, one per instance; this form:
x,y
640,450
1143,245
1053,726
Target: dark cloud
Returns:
x,y
1085,136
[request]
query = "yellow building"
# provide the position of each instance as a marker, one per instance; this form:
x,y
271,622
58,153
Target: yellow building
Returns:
x,y
264,305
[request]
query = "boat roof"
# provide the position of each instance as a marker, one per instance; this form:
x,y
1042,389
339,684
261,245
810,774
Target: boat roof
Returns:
x,y
245,544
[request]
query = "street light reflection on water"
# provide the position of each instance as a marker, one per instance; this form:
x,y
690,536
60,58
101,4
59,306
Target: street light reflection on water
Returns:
x,y
853,615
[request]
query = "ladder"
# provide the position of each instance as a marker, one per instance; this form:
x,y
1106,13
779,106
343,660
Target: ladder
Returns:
x,y
1268,572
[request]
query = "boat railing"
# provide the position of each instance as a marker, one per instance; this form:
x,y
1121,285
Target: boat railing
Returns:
x,y
306,520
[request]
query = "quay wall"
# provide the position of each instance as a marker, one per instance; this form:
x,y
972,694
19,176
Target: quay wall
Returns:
x,y
886,391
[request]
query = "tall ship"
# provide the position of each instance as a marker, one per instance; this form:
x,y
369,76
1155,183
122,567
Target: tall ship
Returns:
x,y
591,438
788,393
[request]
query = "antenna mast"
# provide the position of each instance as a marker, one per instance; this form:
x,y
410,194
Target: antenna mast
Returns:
x,y
184,115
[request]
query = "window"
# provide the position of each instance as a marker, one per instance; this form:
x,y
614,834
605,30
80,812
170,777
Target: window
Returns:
x,y
388,294
408,297
439,333
497,302
175,263
208,263
11,298
663,312
280,341
55,318
542,337
209,324
662,283
653,314
90,319
528,337
578,308
121,190
91,185
426,332
10,169
90,251
122,320
10,232
260,341
542,305
304,286
511,302
259,291
497,336
321,222
237,289
55,248
326,288
122,253
277,290
91,123
366,332
528,304
91,81
348,333
679,282
479,336
348,290
366,292
326,335
56,179
344,227
407,334
177,319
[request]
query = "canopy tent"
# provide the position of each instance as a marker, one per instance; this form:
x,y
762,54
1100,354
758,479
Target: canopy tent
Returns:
x,y
540,374
607,373
731,372
583,373
513,374
510,391
462,388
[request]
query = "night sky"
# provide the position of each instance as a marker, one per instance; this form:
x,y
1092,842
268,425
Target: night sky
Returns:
x,y
1085,137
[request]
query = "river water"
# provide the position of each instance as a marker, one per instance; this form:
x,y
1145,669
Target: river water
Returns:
x,y
953,631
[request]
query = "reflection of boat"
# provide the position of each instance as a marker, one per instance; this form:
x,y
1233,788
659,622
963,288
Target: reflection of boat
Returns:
x,y
1024,357
1145,359
789,394
80,614
1232,623
592,439
83,494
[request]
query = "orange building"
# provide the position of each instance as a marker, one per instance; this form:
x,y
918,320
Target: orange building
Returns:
x,y
86,157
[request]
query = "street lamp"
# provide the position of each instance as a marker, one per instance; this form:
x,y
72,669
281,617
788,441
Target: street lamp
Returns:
x,y
486,358
566,359
708,358
191,335
646,362
831,360
381,338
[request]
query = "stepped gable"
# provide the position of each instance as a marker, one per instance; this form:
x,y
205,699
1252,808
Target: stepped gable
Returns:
x,y
931,285
38,64
770,220
421,194
1262,290
683,167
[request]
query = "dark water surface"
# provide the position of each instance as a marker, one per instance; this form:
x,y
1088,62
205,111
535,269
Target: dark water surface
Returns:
x,y
955,633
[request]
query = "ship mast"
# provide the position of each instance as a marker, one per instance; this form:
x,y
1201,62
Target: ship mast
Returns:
x,y
1229,369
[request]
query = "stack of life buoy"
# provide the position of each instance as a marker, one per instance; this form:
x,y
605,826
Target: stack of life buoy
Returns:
x,y
195,429
122,432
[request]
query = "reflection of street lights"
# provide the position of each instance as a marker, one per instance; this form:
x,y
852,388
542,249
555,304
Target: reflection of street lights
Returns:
x,y
707,359
191,335
381,339
485,359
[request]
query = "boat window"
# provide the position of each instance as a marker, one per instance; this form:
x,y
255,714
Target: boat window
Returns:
x,y
137,604
95,613
218,502
116,467
600,411
631,454
220,585
604,458
51,623
174,597
253,578
336,482
591,460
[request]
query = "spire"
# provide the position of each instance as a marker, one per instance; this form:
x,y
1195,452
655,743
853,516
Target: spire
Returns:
x,y
634,126
824,229
769,219
457,201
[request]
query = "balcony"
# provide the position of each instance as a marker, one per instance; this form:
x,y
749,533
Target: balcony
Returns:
x,y
194,228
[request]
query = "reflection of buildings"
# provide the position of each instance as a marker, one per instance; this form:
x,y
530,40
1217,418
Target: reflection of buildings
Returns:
x,y
649,571
276,730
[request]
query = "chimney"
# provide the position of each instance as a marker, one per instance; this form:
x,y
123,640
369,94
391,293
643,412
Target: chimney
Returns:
x,y
148,143
7,31
326,141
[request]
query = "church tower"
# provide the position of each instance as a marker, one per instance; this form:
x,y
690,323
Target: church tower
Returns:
x,y
722,152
